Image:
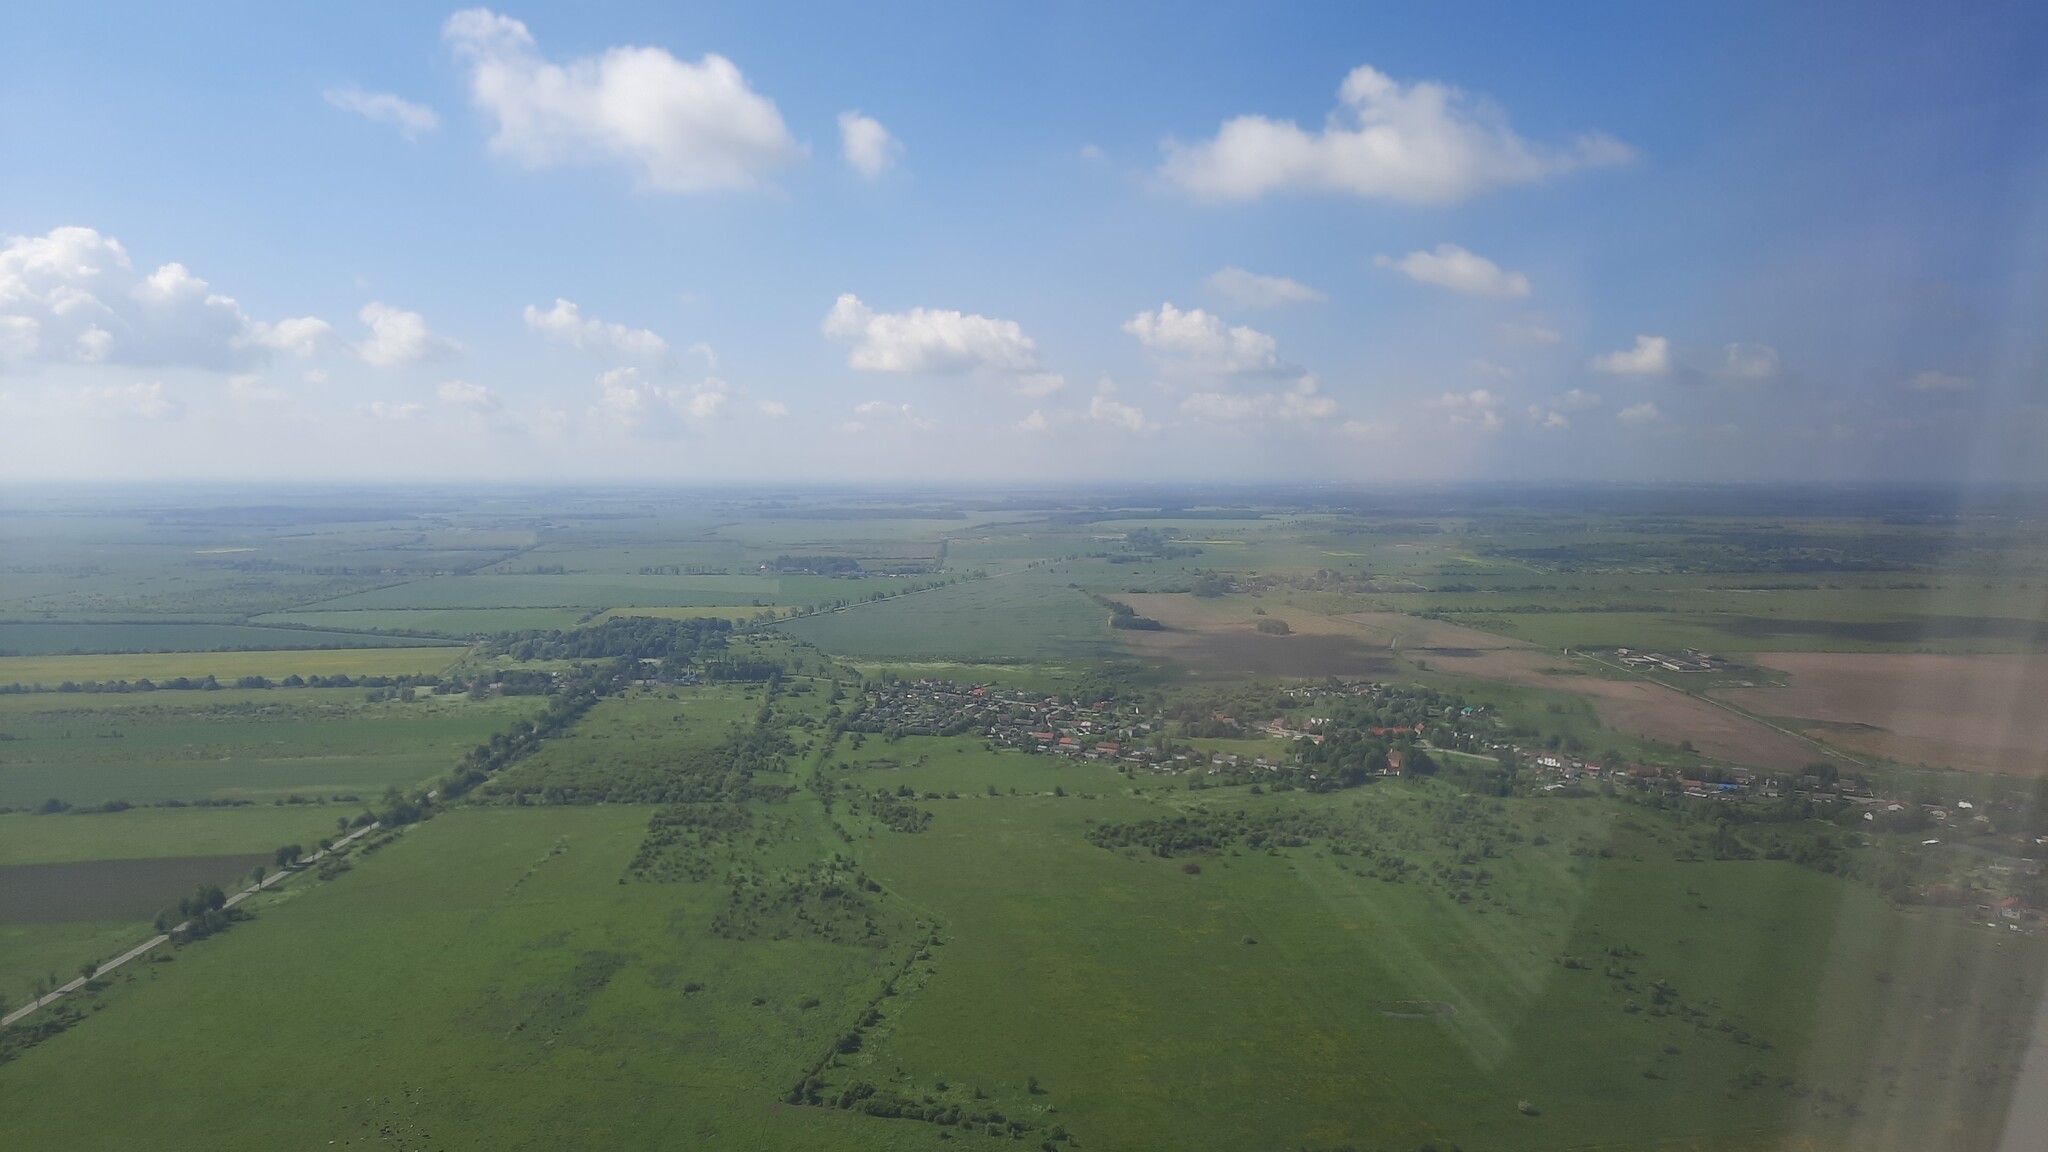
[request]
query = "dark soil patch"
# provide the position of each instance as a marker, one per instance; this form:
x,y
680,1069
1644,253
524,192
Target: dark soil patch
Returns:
x,y
1257,654
1921,630
110,889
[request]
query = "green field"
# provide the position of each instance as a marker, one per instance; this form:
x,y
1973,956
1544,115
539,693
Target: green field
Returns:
x,y
695,612
601,591
49,639
440,621
1021,617
545,1005
29,951
258,744
147,833
51,671
717,898
1283,995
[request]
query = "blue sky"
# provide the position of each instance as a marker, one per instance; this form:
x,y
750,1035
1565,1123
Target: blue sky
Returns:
x,y
1342,242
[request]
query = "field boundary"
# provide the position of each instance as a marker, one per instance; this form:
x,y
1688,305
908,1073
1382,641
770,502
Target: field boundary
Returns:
x,y
78,982
1817,745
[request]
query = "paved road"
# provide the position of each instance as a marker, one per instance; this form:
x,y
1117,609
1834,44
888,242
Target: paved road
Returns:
x,y
79,981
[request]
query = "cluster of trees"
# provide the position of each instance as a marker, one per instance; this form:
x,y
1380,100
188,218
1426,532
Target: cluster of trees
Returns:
x,y
816,565
691,841
1122,615
1209,832
568,706
213,684
828,899
202,914
896,815
864,1097
675,643
1321,580
1142,544
724,772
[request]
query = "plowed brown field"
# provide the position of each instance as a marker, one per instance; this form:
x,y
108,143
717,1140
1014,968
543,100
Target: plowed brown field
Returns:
x,y
1978,713
1219,635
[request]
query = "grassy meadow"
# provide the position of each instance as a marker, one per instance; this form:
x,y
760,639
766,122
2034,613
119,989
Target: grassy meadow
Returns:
x,y
1280,994
698,915
458,622
260,745
52,671
1025,617
55,638
34,850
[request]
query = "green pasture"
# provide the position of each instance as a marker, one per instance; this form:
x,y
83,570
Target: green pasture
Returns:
x,y
633,739
1134,993
441,621
52,671
30,951
1023,616
542,1004
694,612
600,591
149,833
56,638
263,745
1040,677
1281,995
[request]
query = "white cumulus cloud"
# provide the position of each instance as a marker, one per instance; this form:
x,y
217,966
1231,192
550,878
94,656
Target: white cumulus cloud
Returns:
x,y
411,120
398,337
678,126
1651,356
868,147
1424,142
1644,413
1252,290
1479,407
1106,409
1576,398
879,415
1748,362
147,402
1301,403
471,397
628,399
929,341
72,295
1459,270
565,322
1197,341
393,412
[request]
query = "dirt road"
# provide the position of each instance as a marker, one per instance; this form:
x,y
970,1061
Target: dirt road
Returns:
x,y
142,948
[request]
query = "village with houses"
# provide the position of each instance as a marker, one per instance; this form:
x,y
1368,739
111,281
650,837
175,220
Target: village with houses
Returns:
x,y
1448,735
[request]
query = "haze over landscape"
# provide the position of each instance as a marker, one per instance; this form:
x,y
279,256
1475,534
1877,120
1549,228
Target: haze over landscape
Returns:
x,y
1732,242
